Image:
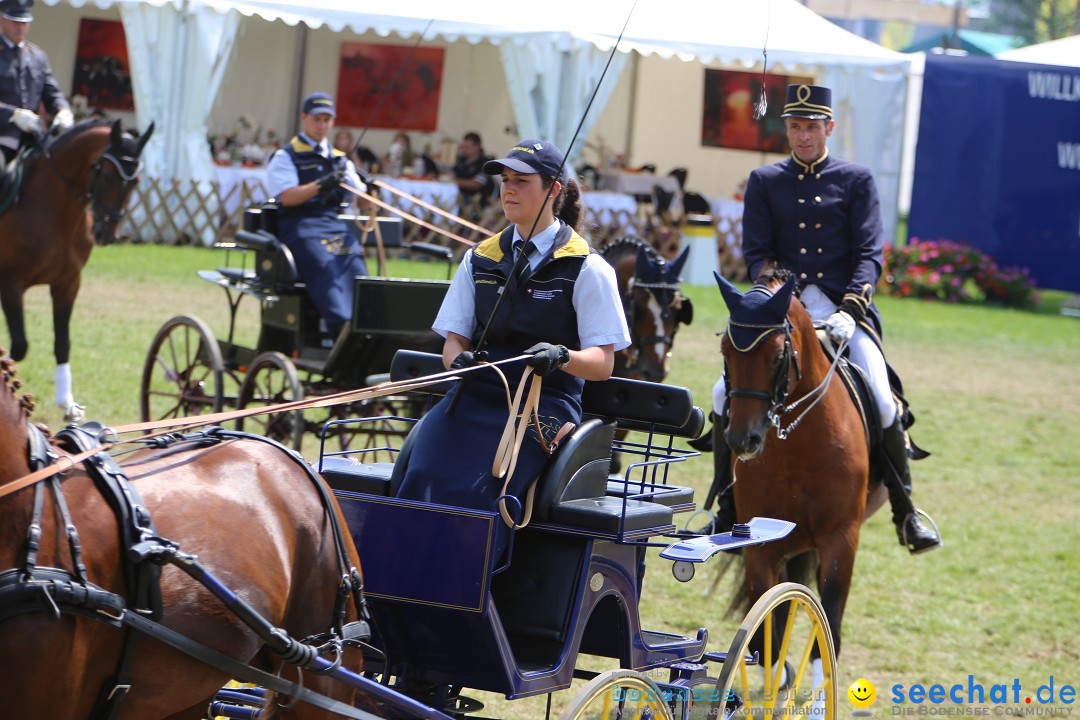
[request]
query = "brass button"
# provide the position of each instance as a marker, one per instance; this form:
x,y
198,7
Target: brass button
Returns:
x,y
820,275
801,176
801,200
802,275
802,226
802,250
817,198
817,226
820,250
818,177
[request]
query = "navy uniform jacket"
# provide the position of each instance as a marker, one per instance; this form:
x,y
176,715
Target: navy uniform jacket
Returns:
x,y
822,222
26,81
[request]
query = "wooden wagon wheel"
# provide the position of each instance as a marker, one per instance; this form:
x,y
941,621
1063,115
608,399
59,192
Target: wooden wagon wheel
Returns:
x,y
780,680
271,380
621,694
183,374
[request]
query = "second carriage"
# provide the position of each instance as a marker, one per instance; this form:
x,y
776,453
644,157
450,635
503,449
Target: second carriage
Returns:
x,y
189,371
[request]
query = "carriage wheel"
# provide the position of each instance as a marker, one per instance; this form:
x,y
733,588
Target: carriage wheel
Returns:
x,y
183,374
271,380
780,680
619,694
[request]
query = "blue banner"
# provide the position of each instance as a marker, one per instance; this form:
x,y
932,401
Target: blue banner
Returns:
x,y
998,164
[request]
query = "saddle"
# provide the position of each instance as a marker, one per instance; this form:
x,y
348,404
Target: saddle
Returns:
x,y
11,181
858,386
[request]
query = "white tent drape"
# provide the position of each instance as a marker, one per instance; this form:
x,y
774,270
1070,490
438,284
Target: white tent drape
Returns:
x,y
178,59
550,83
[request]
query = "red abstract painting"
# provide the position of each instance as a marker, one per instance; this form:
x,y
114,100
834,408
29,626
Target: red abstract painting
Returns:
x,y
102,73
728,116
414,79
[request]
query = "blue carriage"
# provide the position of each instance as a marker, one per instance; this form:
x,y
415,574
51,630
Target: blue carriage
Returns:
x,y
449,616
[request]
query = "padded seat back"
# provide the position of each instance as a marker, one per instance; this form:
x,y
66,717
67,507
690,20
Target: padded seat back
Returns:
x,y
579,468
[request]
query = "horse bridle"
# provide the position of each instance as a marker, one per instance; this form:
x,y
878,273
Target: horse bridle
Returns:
x,y
782,382
128,168
631,309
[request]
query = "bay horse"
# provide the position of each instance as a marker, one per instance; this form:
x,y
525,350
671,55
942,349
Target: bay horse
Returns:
x,y
73,192
247,509
798,445
654,306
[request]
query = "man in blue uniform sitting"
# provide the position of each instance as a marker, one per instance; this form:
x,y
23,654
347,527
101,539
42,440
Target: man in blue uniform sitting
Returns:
x,y
305,177
26,82
819,217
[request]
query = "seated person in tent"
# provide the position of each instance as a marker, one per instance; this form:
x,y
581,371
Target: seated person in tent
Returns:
x,y
305,177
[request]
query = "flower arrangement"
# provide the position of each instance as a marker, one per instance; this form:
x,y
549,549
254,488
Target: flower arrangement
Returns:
x,y
953,272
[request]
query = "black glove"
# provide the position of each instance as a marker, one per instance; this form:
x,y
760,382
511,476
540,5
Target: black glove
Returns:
x,y
547,357
465,359
330,181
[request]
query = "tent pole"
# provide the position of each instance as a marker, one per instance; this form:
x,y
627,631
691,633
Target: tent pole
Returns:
x,y
634,59
298,80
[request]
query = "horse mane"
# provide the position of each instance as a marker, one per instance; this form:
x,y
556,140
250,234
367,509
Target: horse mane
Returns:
x,y
774,277
12,384
619,247
76,130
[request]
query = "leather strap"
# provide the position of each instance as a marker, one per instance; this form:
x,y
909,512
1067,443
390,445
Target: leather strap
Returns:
x,y
506,456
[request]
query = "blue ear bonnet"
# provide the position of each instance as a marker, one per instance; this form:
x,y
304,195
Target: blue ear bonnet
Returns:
x,y
756,314
754,319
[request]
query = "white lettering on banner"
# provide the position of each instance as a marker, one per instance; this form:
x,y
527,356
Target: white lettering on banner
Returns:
x,y
1054,86
1069,156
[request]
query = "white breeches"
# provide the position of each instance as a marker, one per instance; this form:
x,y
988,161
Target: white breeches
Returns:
x,y
863,351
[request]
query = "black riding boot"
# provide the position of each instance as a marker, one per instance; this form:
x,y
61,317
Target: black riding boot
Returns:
x,y
912,532
721,489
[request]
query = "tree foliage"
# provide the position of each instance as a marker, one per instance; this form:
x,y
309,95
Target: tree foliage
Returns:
x,y
1034,20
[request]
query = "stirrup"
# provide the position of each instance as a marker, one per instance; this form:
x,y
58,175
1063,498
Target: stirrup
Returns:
x,y
903,532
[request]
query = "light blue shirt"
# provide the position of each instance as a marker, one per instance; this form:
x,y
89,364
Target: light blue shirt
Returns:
x,y
281,171
600,317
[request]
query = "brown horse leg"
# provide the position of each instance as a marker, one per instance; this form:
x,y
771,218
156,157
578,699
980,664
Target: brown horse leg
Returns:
x,y
11,297
63,302
834,577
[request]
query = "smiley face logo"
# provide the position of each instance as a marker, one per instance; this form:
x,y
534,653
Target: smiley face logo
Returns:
x,y
862,693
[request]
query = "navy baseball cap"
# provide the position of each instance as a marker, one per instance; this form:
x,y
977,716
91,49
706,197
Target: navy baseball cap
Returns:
x,y
319,104
808,101
16,10
530,157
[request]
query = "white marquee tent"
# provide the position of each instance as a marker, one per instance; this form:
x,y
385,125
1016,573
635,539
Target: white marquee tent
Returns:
x,y
552,56
1064,52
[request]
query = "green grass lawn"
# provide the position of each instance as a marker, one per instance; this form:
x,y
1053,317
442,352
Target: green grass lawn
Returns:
x,y
995,394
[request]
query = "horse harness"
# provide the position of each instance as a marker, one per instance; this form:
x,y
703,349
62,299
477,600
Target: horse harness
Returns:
x,y
777,398
56,591
630,308
127,167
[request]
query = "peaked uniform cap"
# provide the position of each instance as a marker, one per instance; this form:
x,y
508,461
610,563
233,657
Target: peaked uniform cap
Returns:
x,y
808,101
16,10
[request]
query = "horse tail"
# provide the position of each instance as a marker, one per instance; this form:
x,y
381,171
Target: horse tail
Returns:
x,y
801,568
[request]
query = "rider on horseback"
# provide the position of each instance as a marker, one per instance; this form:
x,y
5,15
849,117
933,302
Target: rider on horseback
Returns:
x,y
819,217
26,81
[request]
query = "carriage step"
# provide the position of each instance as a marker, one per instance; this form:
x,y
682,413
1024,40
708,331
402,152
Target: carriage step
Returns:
x,y
607,514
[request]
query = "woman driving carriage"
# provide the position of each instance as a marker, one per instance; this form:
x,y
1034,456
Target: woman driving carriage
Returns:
x,y
535,288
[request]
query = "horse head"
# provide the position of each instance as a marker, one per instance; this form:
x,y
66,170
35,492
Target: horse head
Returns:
x,y
115,174
760,359
654,309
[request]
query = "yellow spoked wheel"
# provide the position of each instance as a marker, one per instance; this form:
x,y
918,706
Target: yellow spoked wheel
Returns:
x,y
618,695
789,672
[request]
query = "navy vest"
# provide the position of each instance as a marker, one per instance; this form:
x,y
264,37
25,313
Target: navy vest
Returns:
x,y
539,306
318,217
